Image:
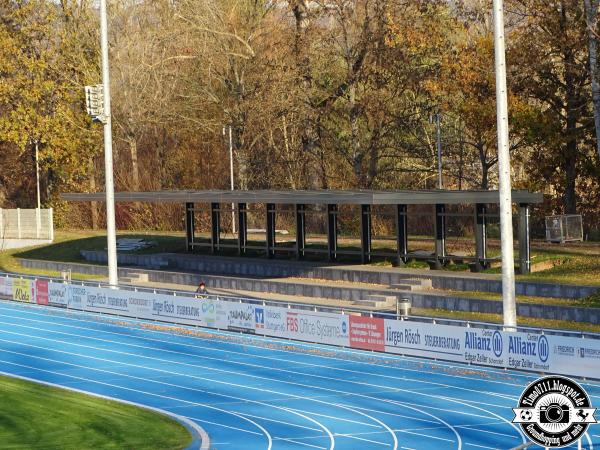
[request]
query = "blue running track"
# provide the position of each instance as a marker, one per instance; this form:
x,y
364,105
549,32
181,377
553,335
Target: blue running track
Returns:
x,y
259,393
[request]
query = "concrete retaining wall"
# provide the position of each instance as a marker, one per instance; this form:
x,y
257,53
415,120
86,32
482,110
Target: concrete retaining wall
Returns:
x,y
353,274
419,299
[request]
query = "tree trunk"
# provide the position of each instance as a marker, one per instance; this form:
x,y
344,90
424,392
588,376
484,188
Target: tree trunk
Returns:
x,y
485,167
591,12
135,173
93,205
571,150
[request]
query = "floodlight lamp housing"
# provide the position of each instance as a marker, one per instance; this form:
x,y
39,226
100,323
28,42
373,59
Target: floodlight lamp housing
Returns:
x,y
94,102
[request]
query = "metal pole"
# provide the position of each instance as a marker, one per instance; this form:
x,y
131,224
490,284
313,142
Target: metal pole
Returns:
x,y
108,156
37,173
506,231
439,149
231,177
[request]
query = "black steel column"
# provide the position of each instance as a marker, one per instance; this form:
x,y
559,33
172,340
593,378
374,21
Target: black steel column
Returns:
x,y
242,228
215,235
480,237
365,233
401,234
440,235
189,227
524,239
332,231
300,231
270,230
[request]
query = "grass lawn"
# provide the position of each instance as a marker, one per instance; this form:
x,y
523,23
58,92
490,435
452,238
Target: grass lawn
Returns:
x,y
577,263
37,416
592,301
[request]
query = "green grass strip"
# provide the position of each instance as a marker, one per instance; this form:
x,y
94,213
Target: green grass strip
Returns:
x,y
36,416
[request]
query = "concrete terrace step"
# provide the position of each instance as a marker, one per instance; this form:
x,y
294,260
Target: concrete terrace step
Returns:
x,y
412,285
385,276
378,301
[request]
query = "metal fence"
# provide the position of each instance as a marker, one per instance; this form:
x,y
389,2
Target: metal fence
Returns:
x,y
26,224
564,228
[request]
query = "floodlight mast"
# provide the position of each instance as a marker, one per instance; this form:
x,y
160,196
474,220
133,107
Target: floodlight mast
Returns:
x,y
504,183
108,155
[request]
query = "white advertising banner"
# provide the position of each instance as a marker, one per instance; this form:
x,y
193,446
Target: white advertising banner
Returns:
x,y
58,294
76,296
186,310
322,328
240,316
6,289
424,339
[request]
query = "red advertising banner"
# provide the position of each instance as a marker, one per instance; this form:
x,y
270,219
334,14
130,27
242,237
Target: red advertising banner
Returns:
x,y
367,333
41,289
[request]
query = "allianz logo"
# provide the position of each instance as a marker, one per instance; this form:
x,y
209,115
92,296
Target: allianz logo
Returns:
x,y
487,342
539,347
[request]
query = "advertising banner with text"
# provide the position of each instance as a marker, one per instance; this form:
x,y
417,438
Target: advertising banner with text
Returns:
x,y
23,290
549,353
6,289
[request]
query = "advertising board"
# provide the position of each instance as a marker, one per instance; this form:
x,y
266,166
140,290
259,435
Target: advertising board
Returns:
x,y
58,294
367,333
323,328
41,292
240,316
6,289
23,290
185,310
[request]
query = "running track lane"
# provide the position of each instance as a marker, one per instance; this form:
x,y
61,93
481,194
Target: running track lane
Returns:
x,y
260,393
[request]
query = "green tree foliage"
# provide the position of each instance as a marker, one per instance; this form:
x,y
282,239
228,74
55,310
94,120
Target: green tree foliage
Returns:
x,y
319,94
39,102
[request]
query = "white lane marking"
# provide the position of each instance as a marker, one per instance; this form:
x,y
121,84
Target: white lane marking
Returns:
x,y
63,314
439,419
424,435
336,418
323,427
243,430
441,385
299,443
353,436
488,431
407,448
277,421
389,430
481,446
153,394
472,406
587,436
